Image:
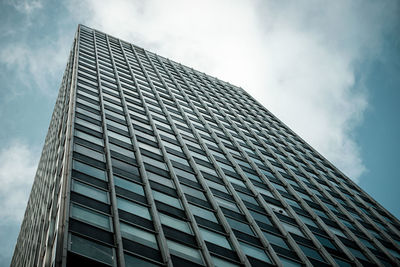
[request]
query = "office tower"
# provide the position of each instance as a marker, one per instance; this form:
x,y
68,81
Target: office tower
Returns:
x,y
148,162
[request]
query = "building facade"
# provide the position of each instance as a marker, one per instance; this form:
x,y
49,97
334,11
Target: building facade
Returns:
x,y
148,162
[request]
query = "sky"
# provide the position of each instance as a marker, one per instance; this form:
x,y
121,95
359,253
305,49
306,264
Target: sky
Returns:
x,y
330,70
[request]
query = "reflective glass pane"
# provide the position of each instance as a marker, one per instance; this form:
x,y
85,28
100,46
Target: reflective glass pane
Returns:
x,y
215,238
203,213
175,223
133,187
133,207
133,261
138,235
90,216
89,170
254,252
90,191
92,250
167,199
185,252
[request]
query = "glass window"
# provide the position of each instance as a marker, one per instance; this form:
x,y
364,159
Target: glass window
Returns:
x,y
308,221
138,235
336,231
227,204
89,138
260,217
276,240
203,213
194,192
119,137
89,170
149,148
217,186
133,208
133,187
91,250
88,125
122,150
264,191
218,262
289,263
117,125
357,253
185,252
215,238
175,223
185,174
292,229
157,163
341,262
90,216
240,226
235,181
88,152
90,191
325,241
160,179
167,199
133,261
311,253
254,252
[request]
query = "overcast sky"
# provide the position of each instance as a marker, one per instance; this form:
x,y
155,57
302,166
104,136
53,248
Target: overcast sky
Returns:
x,y
328,69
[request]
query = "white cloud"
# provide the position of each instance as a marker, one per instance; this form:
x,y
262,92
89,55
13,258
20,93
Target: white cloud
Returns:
x,y
299,60
37,67
18,164
26,6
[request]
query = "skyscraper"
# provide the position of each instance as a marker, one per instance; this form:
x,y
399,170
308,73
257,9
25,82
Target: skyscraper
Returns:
x,y
148,162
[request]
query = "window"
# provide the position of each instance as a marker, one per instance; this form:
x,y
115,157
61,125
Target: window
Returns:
x,y
175,223
240,226
90,216
185,252
215,238
119,137
121,150
292,229
160,179
325,242
133,208
89,170
88,152
227,204
218,262
276,240
311,253
138,235
89,138
133,187
90,191
193,192
167,199
154,162
132,261
254,252
357,253
91,250
203,213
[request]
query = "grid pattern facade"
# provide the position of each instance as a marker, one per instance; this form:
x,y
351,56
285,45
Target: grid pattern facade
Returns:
x,y
148,162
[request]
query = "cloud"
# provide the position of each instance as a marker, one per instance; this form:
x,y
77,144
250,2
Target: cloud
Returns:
x,y
26,6
36,66
299,60
18,164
